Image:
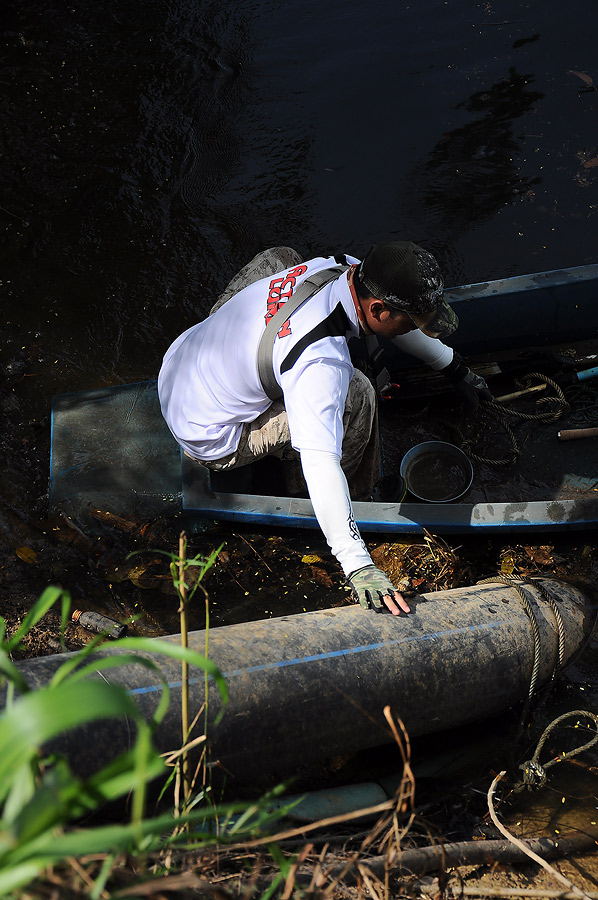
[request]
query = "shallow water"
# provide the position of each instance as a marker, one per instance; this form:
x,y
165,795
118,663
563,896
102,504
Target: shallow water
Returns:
x,y
437,477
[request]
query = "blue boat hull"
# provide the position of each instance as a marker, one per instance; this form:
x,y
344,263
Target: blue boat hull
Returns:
x,y
112,451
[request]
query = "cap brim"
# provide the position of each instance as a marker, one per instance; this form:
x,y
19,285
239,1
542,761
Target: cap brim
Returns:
x,y
440,323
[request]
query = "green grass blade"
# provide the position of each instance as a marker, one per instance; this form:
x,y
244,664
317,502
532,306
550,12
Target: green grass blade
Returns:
x,y
15,877
102,663
43,714
75,660
175,651
118,777
152,646
50,848
10,671
22,792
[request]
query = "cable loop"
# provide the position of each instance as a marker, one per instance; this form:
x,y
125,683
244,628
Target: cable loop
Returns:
x,y
534,774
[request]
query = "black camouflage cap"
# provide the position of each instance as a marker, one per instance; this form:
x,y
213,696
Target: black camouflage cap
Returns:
x,y
407,277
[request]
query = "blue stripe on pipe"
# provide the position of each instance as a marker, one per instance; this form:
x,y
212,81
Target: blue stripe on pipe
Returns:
x,y
331,654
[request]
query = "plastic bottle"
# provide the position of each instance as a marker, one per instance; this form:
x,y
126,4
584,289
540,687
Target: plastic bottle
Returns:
x,y
98,623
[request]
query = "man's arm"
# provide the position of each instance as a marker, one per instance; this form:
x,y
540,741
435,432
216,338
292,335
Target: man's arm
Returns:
x,y
430,350
437,355
329,494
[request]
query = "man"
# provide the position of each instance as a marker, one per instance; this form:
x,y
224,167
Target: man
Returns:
x,y
230,396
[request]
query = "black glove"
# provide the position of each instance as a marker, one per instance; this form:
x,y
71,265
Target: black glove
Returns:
x,y
472,387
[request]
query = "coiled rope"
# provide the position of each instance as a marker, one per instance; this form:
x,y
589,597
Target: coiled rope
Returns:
x,y
584,400
492,413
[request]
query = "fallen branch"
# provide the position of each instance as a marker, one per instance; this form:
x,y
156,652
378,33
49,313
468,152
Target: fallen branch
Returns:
x,y
439,857
460,890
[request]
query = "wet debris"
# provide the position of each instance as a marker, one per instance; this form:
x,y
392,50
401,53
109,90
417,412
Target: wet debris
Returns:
x,y
431,565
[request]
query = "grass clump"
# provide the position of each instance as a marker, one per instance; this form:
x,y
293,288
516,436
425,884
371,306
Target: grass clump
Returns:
x,y
46,821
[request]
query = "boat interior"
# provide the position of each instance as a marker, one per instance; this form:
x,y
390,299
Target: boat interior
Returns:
x,y
513,445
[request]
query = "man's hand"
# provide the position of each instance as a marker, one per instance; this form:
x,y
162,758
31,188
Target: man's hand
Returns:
x,y
472,387
374,590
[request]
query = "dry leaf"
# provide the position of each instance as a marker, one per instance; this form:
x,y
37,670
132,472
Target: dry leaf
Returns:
x,y
590,163
587,78
116,521
310,559
542,556
27,554
321,577
507,565
142,576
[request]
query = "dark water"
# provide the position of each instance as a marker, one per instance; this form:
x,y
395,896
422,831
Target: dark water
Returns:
x,y
435,477
150,149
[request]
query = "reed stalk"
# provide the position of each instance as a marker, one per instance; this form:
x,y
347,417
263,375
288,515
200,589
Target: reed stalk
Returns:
x,y
184,762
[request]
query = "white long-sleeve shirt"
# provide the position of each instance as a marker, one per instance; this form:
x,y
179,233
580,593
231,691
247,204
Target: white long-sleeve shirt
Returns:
x,y
209,386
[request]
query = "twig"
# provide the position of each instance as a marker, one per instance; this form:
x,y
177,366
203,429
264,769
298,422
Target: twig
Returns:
x,y
403,799
437,858
318,878
405,751
234,578
249,544
171,756
471,891
328,839
498,24
368,882
205,760
440,543
339,873
290,881
84,876
430,543
536,388
14,215
331,820
170,883
538,859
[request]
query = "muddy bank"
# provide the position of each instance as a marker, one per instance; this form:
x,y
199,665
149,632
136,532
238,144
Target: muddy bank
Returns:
x,y
114,568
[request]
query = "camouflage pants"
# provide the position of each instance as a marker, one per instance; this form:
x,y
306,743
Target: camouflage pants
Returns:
x,y
269,435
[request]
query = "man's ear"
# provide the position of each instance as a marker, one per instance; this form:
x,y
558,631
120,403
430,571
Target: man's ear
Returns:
x,y
376,307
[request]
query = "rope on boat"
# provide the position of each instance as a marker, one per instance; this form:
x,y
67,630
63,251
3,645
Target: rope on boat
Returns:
x,y
496,413
584,399
561,404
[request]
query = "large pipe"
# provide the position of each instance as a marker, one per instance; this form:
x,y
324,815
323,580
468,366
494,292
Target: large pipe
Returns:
x,y
306,687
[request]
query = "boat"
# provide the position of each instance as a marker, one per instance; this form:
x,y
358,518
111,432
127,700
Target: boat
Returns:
x,y
112,451
306,688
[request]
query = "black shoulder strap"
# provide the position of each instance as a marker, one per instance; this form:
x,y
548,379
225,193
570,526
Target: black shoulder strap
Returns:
x,y
306,289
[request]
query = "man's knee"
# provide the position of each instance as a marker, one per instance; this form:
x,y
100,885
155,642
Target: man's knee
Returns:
x,y
361,394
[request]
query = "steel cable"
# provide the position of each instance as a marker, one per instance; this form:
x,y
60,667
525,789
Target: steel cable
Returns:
x,y
534,774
